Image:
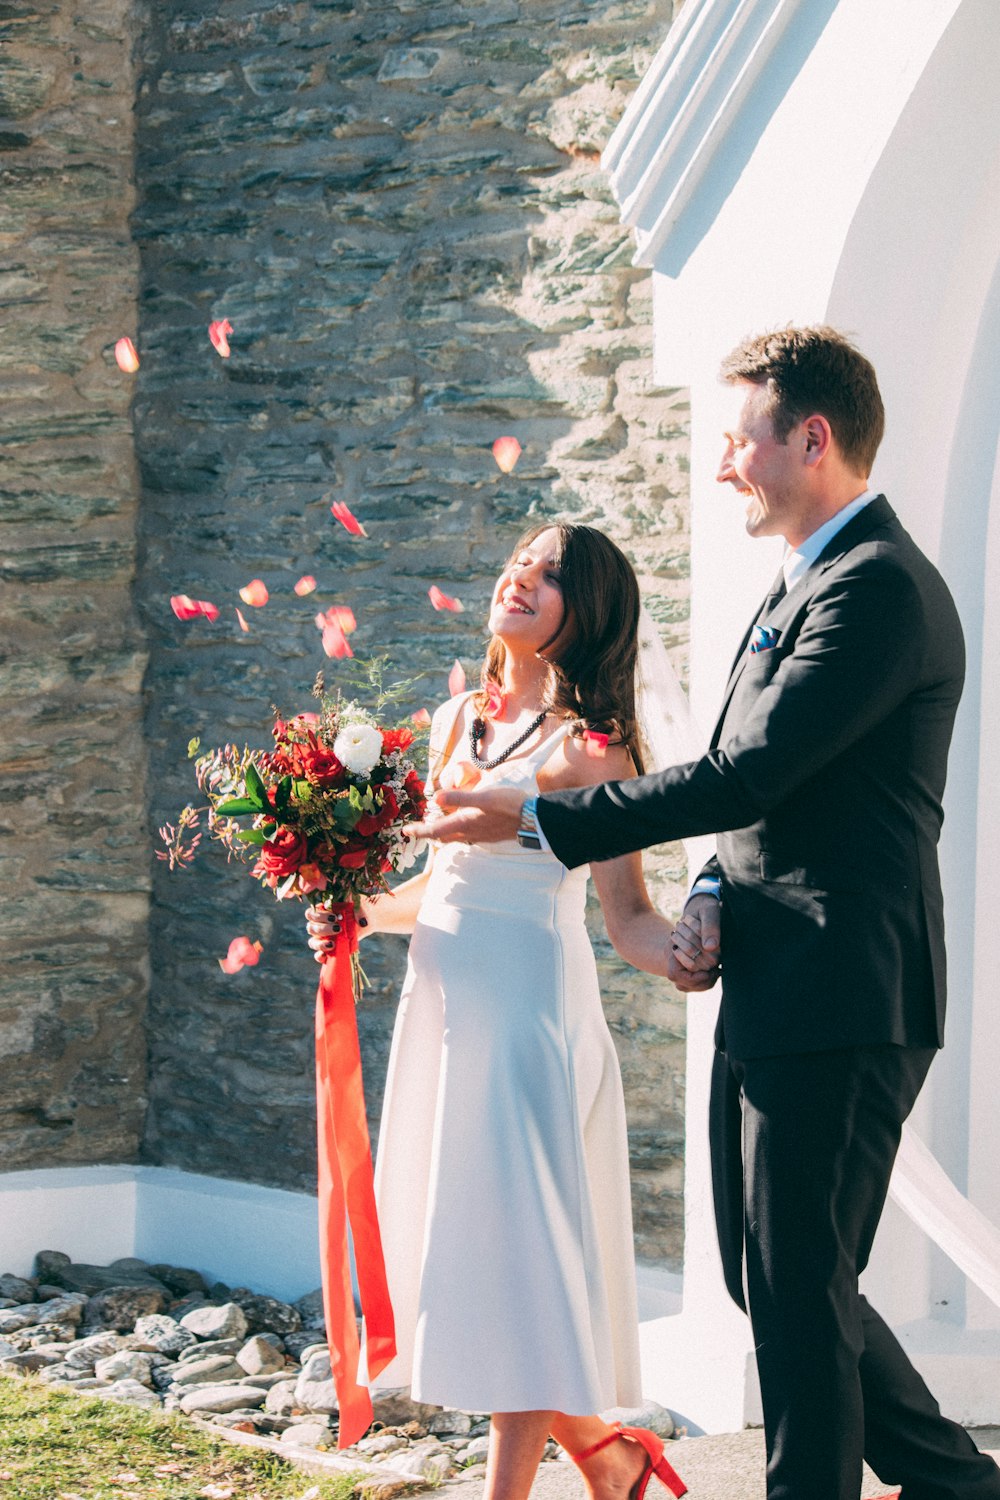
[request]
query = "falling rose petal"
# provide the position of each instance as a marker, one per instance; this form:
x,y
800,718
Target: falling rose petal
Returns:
x,y
186,608
456,679
595,743
126,356
242,954
421,718
347,518
444,601
335,642
305,585
255,593
243,623
506,451
219,333
343,616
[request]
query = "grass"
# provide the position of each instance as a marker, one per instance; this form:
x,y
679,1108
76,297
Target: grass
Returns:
x,y
57,1445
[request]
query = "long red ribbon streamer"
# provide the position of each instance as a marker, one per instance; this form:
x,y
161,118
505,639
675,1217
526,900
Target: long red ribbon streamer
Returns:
x,y
347,1193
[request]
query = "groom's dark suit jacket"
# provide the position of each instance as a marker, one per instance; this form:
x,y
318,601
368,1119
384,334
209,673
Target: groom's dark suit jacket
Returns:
x,y
824,784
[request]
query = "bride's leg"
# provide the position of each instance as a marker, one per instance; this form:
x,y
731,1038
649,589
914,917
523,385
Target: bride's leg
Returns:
x,y
517,1442
613,1471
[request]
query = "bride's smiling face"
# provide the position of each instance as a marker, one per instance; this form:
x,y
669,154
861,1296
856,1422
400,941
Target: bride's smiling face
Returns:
x,y
527,611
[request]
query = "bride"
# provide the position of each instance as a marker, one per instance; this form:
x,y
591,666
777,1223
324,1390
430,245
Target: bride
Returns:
x,y
502,1175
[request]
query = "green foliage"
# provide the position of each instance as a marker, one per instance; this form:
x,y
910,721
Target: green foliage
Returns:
x,y
60,1443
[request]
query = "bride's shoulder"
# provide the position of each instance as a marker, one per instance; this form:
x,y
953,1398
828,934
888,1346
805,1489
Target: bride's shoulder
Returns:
x,y
576,764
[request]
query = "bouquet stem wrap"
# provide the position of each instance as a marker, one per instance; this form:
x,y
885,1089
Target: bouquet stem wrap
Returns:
x,y
346,1191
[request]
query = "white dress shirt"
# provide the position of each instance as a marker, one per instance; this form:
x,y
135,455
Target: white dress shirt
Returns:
x,y
798,559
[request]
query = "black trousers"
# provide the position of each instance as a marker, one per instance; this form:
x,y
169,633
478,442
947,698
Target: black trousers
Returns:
x,y
802,1152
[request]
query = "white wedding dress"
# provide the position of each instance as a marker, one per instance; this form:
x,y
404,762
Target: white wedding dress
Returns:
x,y
502,1175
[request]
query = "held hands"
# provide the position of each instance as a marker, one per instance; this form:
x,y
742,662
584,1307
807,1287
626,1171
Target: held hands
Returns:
x,y
695,947
479,817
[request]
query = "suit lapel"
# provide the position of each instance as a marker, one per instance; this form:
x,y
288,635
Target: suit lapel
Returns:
x,y
876,513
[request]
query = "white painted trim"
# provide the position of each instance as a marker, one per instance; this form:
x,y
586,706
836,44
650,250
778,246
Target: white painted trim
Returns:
x,y
689,101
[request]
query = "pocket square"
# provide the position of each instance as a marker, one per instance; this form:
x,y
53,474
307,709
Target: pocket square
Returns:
x,y
763,638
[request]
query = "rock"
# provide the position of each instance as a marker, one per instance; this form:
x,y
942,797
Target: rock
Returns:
x,y
316,1346
119,1307
29,1360
178,1279
227,1321
296,1344
56,1269
19,1317
393,1408
475,1452
259,1357
430,1461
450,1423
162,1333
68,1307
209,1398
17,1288
132,1392
163,1376
314,1389
266,1314
125,1364
281,1399
310,1309
210,1371
84,1353
307,1435
199,1350
657,1418
382,1442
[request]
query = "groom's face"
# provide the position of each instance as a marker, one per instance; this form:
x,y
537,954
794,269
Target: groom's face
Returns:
x,y
765,472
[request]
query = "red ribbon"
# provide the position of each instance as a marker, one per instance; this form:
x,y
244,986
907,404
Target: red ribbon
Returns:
x,y
347,1192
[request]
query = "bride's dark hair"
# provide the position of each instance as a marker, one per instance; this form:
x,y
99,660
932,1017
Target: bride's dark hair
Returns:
x,y
592,655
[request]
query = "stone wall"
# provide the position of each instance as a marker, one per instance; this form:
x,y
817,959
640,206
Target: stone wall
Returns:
x,y
74,866
399,207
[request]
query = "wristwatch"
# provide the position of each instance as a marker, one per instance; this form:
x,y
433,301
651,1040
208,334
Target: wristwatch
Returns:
x,y
707,885
527,833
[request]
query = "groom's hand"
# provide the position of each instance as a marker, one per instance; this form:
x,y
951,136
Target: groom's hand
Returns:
x,y
695,948
479,817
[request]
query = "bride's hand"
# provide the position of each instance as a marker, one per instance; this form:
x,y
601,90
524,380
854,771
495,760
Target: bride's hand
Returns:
x,y
323,926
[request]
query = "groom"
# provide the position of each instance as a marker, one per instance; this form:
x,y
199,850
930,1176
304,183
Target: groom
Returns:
x,y
824,785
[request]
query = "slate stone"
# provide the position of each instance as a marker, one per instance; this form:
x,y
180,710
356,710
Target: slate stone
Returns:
x,y
119,1306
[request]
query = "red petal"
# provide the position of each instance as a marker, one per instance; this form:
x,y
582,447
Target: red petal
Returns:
x,y
243,623
126,356
456,679
497,705
255,593
335,642
242,953
343,616
305,585
595,743
506,451
189,609
219,333
421,718
444,601
346,518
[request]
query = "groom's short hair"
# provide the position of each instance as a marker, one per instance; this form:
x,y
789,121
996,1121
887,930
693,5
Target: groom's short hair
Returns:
x,y
815,370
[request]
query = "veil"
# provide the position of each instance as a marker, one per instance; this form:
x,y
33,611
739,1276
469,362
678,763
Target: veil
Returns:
x,y
668,732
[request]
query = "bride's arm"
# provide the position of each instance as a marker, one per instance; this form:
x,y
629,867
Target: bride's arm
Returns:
x,y
639,933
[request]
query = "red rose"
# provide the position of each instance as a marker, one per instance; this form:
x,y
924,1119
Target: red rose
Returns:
x,y
374,822
353,856
415,791
282,855
320,765
396,739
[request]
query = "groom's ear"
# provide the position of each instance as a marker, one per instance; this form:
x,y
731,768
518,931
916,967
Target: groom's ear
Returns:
x,y
816,438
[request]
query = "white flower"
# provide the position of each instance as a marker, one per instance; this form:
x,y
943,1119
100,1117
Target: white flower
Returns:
x,y
358,748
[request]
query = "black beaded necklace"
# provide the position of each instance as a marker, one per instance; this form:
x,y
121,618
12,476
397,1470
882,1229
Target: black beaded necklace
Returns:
x,y
478,729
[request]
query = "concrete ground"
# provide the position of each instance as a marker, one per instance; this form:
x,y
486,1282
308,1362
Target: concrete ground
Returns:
x,y
728,1467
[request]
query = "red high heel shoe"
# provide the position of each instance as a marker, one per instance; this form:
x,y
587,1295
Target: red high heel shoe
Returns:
x,y
656,1464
